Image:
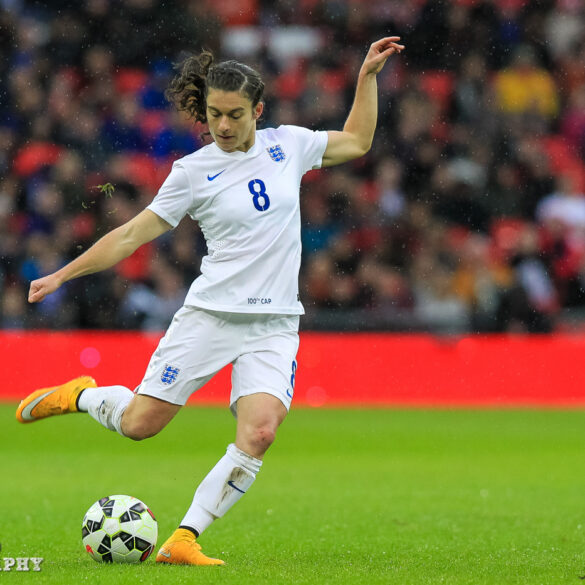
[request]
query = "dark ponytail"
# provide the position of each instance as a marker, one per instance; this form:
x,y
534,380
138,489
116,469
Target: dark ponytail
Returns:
x,y
188,90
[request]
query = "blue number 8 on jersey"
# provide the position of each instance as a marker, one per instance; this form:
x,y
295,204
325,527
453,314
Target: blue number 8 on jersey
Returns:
x,y
260,197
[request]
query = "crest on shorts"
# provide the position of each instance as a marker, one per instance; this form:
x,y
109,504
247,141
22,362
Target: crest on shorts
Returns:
x,y
169,374
276,153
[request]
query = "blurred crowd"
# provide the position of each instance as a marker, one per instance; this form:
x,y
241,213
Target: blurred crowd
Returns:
x,y
468,214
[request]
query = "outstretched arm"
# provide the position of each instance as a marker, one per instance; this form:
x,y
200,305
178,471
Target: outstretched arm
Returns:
x,y
107,251
358,132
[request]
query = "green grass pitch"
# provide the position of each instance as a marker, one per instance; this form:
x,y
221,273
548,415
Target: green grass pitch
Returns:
x,y
345,496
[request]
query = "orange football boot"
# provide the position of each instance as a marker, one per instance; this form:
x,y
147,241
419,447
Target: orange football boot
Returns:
x,y
51,401
182,549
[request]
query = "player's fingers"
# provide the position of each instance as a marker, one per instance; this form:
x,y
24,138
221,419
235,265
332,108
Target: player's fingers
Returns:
x,y
33,297
35,293
386,53
383,52
382,43
385,40
397,47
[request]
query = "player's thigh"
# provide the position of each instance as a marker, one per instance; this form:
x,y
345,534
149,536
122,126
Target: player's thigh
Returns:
x,y
268,364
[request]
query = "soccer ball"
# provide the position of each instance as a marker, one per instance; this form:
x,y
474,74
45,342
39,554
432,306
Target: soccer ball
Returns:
x,y
119,529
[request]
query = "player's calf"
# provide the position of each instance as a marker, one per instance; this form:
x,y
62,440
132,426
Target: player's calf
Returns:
x,y
146,416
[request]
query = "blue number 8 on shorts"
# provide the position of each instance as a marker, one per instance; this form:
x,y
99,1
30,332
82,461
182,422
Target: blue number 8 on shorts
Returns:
x,y
292,378
293,375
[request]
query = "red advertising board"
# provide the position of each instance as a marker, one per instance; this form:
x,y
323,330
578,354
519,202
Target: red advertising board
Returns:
x,y
333,369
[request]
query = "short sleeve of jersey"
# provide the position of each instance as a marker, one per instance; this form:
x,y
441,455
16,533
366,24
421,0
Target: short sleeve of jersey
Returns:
x,y
174,199
311,145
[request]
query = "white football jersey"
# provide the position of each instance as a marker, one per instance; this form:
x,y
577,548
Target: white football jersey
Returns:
x,y
247,205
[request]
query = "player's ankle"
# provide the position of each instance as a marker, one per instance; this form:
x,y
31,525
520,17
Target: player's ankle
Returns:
x,y
192,530
77,400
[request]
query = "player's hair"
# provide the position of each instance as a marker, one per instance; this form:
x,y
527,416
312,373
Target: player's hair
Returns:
x,y
198,73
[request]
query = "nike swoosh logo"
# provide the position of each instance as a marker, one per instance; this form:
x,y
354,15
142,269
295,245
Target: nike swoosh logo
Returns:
x,y
231,484
164,553
27,410
215,176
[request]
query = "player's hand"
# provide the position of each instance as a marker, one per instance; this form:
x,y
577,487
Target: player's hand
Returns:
x,y
379,53
42,287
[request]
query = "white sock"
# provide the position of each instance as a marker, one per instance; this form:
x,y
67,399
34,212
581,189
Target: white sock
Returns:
x,y
106,404
223,486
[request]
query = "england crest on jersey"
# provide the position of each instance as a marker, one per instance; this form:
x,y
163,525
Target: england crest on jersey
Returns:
x,y
276,153
169,374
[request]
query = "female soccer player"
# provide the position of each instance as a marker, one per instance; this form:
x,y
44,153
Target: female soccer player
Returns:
x,y
243,190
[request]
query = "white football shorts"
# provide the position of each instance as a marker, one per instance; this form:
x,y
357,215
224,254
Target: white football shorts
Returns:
x,y
198,343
